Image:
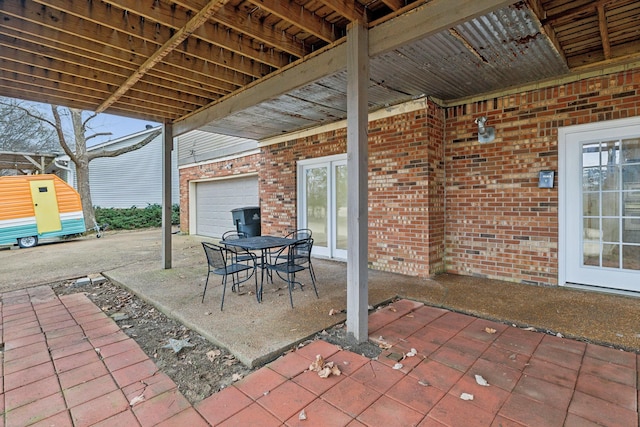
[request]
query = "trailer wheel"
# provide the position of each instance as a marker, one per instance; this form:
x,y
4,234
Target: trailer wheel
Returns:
x,y
28,242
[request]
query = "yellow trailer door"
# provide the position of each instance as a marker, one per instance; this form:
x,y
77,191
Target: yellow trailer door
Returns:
x,y
45,206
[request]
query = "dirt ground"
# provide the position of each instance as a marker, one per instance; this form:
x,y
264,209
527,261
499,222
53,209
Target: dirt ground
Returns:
x,y
199,370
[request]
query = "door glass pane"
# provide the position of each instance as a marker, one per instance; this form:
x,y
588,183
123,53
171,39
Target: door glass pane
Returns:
x,y
591,204
611,230
611,204
631,257
610,256
341,206
316,187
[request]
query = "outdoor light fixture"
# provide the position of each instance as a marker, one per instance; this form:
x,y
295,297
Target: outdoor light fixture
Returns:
x,y
485,134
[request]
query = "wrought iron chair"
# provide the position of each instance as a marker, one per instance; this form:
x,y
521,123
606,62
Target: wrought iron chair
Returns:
x,y
278,255
221,261
235,235
297,259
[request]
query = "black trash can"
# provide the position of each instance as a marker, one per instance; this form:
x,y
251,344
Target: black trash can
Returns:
x,y
247,220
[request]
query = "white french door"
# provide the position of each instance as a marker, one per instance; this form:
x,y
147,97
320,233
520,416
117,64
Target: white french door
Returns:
x,y
322,207
600,204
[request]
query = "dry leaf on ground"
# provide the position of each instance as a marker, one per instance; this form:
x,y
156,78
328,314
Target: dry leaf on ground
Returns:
x,y
324,369
490,330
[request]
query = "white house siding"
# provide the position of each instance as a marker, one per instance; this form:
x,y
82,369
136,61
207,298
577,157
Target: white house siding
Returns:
x,y
131,179
197,146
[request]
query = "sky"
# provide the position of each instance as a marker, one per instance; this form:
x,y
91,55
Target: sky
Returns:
x,y
119,126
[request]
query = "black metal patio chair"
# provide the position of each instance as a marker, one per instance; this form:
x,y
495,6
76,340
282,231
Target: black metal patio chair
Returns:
x,y
280,254
297,259
240,256
222,261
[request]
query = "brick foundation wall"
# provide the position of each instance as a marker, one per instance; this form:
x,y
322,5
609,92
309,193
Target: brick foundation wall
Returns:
x,y
499,224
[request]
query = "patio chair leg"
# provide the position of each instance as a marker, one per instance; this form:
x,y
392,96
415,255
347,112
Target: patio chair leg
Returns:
x,y
290,283
224,288
205,287
258,294
313,282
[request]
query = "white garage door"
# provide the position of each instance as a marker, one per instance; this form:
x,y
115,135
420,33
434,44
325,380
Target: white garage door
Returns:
x,y
216,199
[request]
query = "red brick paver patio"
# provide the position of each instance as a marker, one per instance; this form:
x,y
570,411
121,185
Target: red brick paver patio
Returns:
x,y
65,363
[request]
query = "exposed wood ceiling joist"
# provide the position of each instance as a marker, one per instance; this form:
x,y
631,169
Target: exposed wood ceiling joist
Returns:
x,y
166,59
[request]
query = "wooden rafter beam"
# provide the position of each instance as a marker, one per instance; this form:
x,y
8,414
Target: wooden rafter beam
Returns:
x,y
299,17
350,9
68,31
604,31
229,17
168,46
394,4
590,7
209,32
541,15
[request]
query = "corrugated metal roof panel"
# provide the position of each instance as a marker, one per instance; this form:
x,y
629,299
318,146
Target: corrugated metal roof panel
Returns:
x,y
493,52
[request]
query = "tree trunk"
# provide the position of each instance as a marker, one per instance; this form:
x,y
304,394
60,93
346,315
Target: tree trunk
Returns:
x,y
82,177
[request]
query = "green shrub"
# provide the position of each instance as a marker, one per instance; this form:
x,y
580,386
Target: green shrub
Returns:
x,y
133,217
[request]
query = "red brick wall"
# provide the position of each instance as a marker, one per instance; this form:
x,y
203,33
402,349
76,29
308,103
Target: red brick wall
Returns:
x,y
499,224
406,176
277,180
241,166
438,199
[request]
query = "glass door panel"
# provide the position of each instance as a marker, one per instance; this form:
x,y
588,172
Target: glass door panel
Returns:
x,y
340,211
317,208
610,196
323,204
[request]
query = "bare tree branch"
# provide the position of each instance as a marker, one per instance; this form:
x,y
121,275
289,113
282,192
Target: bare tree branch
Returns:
x,y
58,127
98,134
114,153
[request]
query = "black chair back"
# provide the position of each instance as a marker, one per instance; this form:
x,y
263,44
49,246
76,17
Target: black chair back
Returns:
x,y
216,255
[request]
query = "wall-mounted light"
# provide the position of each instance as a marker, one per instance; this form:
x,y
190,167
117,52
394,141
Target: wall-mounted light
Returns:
x,y
485,134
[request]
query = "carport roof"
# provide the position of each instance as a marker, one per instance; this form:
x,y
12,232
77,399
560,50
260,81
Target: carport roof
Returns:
x,y
26,163
257,69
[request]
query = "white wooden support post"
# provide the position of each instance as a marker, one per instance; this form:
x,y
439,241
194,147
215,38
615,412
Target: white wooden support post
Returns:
x,y
167,146
357,170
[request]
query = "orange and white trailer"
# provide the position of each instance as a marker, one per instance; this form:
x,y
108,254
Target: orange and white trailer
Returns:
x,y
34,207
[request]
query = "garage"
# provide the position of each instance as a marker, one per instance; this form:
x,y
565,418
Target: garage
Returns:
x,y
214,201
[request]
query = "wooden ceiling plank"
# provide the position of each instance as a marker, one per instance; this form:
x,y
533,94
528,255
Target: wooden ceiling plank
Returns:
x,y
588,8
97,69
172,43
141,41
21,64
209,32
229,17
299,17
394,4
604,32
92,92
350,9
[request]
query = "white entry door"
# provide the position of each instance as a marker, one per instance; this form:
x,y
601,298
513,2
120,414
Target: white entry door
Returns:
x,y
322,196
600,204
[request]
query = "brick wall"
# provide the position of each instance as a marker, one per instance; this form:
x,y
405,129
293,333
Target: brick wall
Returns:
x,y
406,192
241,166
499,224
438,199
